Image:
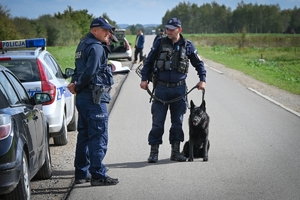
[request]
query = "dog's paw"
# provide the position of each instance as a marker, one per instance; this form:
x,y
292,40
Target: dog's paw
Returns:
x,y
205,159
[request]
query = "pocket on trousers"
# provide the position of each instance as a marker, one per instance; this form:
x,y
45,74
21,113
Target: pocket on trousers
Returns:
x,y
98,122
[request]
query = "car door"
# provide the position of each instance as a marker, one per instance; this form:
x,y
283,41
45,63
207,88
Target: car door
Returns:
x,y
30,115
64,95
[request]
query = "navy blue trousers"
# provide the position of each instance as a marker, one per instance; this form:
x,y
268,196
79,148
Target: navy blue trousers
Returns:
x,y
92,139
159,112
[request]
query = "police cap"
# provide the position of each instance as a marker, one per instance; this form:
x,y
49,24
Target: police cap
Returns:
x,y
173,23
101,22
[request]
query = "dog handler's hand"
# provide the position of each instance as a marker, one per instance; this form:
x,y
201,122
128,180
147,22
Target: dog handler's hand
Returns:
x,y
201,85
144,85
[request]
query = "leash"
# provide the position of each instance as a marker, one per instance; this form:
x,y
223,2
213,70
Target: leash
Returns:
x,y
138,72
173,100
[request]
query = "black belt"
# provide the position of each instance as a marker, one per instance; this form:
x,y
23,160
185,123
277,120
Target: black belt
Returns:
x,y
89,87
182,82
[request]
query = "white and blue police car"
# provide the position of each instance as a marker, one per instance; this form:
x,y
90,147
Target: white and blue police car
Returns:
x,y
38,71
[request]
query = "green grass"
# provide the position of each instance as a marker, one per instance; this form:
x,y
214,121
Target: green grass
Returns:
x,y
281,53
281,67
65,56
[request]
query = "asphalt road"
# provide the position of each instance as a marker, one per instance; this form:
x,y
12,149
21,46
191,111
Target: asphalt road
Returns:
x,y
254,150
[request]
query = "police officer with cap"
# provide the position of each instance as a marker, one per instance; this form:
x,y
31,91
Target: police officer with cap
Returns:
x,y
91,83
159,35
170,58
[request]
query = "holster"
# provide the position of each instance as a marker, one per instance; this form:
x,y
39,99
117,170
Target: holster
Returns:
x,y
97,92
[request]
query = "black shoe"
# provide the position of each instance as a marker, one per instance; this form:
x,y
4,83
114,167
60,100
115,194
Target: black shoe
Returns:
x,y
175,154
153,158
104,182
88,179
178,157
80,181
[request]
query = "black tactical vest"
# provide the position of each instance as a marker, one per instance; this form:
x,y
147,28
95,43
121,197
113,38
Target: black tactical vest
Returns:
x,y
172,59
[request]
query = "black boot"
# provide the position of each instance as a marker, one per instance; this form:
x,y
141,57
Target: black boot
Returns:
x,y
175,154
153,158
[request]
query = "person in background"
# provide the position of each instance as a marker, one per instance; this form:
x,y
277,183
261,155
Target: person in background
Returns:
x,y
91,83
159,35
139,46
170,57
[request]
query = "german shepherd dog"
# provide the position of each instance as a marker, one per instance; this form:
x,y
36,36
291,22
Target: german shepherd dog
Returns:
x,y
198,144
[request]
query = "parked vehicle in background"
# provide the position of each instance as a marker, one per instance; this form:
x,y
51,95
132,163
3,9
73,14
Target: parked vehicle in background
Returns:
x,y
122,48
24,140
38,71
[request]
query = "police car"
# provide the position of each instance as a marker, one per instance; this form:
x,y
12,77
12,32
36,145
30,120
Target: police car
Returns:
x,y
38,71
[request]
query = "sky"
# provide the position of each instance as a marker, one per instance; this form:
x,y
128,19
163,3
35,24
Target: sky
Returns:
x,y
130,12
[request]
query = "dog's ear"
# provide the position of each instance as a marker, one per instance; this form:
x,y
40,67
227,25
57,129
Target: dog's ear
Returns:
x,y
203,105
192,104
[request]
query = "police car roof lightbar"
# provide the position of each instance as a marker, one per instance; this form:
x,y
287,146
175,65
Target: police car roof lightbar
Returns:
x,y
25,43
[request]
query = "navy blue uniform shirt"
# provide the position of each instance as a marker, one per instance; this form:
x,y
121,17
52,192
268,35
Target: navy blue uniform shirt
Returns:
x,y
91,67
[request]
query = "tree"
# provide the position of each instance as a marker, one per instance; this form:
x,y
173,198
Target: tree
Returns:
x,y
7,28
133,29
24,27
81,18
295,22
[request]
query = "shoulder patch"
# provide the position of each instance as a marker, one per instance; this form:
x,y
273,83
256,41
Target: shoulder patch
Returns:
x,y
78,54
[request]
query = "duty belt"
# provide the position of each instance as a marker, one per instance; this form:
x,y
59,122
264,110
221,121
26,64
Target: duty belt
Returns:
x,y
89,87
92,87
182,82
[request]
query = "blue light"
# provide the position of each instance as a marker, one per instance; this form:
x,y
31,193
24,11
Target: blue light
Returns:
x,y
36,42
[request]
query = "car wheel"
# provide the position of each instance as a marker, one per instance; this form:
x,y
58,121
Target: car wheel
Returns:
x,y
23,190
72,125
62,139
46,171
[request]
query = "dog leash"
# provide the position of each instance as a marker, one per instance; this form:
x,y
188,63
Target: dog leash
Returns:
x,y
176,99
138,72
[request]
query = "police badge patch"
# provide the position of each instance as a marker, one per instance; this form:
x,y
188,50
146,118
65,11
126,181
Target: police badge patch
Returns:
x,y
78,55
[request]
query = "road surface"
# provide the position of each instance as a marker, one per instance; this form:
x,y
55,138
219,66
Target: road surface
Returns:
x,y
254,151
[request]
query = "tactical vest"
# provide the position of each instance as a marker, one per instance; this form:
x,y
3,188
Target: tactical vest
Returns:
x,y
172,59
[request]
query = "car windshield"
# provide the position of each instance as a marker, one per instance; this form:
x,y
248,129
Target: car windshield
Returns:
x,y
25,70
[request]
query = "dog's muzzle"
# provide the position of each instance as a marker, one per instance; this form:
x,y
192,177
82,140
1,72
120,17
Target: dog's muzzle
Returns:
x,y
196,121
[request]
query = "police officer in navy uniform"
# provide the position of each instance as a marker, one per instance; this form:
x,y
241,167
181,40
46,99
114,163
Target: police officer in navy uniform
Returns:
x,y
170,58
159,35
91,82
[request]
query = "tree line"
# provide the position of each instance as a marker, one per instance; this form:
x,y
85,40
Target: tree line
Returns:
x,y
68,27
215,18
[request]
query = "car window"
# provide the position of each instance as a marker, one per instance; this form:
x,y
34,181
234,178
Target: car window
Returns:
x,y
25,70
53,65
119,46
20,90
119,33
9,92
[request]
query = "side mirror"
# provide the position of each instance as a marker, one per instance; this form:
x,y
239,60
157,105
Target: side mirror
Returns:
x,y
69,72
41,97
